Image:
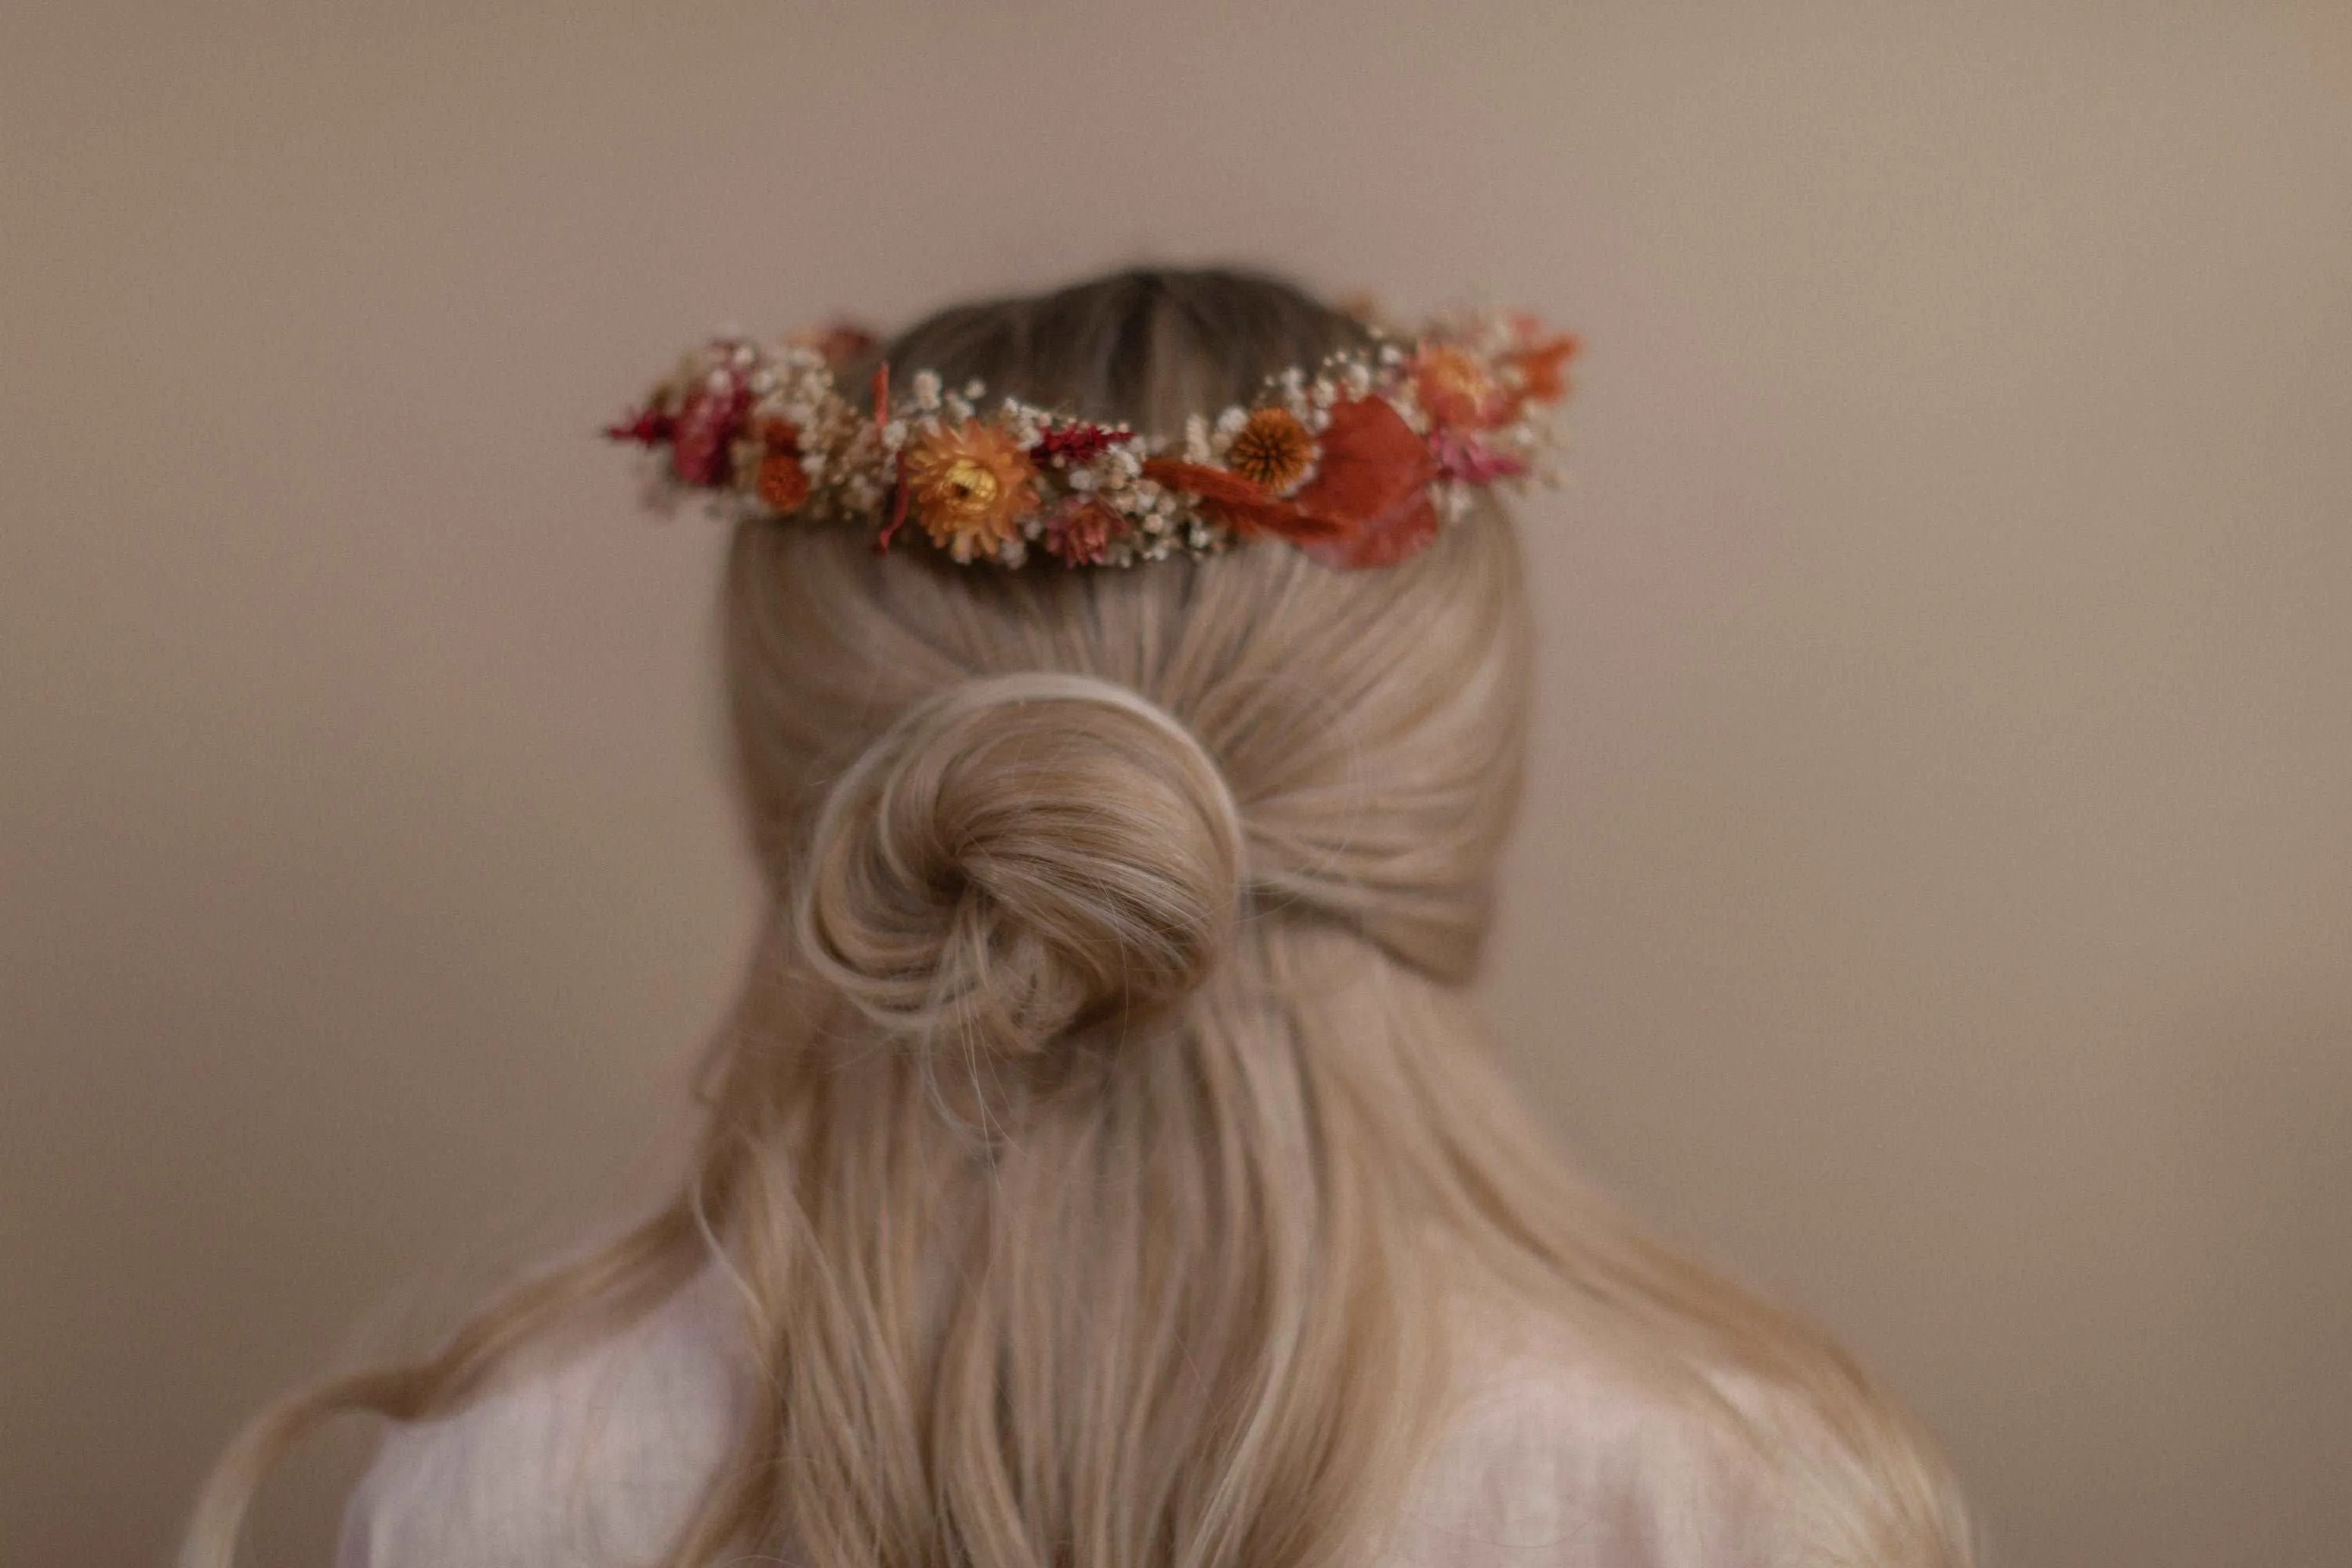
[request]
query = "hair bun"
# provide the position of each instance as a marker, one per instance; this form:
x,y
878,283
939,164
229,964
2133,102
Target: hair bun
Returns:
x,y
1017,856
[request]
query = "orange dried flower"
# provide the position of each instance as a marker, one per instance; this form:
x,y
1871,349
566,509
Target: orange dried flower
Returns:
x,y
1542,366
970,485
1273,450
1455,389
783,483
778,478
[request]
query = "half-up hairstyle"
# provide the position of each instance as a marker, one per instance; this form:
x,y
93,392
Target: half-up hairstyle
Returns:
x,y
1103,1146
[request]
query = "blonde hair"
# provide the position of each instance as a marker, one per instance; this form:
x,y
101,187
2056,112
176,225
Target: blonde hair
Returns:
x,y
1120,927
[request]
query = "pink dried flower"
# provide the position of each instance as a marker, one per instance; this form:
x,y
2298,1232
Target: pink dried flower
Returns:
x,y
706,427
1079,534
1464,457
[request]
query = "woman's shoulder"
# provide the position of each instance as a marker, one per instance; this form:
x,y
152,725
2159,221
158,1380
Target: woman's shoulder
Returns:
x,y
1551,1457
597,1460
1554,1454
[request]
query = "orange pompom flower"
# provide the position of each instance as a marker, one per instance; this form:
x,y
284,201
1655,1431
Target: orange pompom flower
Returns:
x,y
970,485
1271,450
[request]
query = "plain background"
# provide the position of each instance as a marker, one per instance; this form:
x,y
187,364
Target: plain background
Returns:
x,y
1934,896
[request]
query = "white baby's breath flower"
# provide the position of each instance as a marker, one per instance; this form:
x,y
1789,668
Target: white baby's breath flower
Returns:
x,y
1196,439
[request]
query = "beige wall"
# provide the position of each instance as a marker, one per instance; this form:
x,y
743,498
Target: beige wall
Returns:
x,y
1936,894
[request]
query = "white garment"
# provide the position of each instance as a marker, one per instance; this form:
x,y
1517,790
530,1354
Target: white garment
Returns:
x,y
1549,1461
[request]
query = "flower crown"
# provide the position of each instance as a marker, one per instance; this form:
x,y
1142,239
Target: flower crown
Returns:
x,y
1358,461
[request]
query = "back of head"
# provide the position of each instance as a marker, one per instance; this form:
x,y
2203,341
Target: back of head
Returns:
x,y
1354,733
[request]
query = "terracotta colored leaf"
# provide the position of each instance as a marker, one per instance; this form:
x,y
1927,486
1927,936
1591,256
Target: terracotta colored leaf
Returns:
x,y
1238,503
1395,536
1373,463
1372,487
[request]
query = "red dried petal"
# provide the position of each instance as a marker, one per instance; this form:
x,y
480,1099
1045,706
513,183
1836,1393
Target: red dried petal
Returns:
x,y
647,427
1076,444
899,498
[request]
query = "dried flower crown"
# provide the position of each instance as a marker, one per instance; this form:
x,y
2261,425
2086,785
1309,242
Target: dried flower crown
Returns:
x,y
1358,461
